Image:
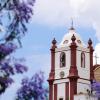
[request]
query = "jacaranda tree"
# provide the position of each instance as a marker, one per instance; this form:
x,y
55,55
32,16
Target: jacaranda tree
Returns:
x,y
33,89
14,16
96,88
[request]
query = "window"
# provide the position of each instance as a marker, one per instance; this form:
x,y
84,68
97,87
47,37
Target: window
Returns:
x,y
62,59
60,98
83,59
65,42
79,41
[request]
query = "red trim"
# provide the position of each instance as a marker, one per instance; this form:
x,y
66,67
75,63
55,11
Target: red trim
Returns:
x,y
96,66
67,91
91,65
91,59
55,91
73,68
73,88
52,73
73,72
50,90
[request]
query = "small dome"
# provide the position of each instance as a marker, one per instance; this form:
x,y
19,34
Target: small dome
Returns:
x,y
66,41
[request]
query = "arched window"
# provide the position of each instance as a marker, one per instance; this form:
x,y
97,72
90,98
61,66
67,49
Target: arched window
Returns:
x,y
62,59
60,98
83,59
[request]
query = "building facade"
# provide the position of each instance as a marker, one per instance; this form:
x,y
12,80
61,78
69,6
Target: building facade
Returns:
x,y
71,67
97,72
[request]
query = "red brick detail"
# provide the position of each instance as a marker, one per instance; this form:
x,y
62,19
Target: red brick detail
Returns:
x,y
73,72
52,73
55,91
73,88
50,90
91,59
91,65
67,91
73,68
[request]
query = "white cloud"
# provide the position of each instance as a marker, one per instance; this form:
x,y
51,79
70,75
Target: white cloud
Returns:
x,y
59,12
52,12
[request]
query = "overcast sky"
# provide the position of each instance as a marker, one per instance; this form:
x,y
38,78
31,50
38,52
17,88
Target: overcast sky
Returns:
x,y
52,18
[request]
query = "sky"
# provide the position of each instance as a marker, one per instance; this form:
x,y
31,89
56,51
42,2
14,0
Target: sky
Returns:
x,y
52,18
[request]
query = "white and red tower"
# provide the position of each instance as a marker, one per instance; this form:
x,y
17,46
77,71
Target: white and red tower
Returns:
x,y
71,67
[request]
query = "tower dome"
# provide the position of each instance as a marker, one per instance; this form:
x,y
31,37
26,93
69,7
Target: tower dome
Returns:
x,y
66,41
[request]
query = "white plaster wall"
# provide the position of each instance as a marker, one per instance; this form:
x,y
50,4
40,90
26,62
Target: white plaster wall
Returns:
x,y
82,86
84,97
57,57
57,62
83,72
61,91
57,73
78,59
84,81
62,48
87,58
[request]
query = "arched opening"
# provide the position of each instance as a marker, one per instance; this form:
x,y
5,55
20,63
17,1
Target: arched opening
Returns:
x,y
60,98
62,59
83,60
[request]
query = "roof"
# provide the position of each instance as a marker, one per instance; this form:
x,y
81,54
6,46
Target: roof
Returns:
x,y
97,72
66,41
96,66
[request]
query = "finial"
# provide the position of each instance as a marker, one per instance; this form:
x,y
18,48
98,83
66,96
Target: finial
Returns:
x,y
54,44
72,28
73,38
90,41
72,22
54,41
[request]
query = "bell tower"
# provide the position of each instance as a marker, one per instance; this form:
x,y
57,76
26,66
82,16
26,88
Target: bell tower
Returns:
x,y
71,67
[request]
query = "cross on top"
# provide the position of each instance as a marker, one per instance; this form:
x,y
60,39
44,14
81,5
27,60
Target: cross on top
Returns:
x,y
72,28
96,58
72,22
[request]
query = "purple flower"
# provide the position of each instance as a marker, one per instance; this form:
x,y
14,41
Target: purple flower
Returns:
x,y
5,82
18,13
96,87
33,88
6,49
20,68
8,68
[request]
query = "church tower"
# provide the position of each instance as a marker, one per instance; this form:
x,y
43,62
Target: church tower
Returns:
x,y
71,67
